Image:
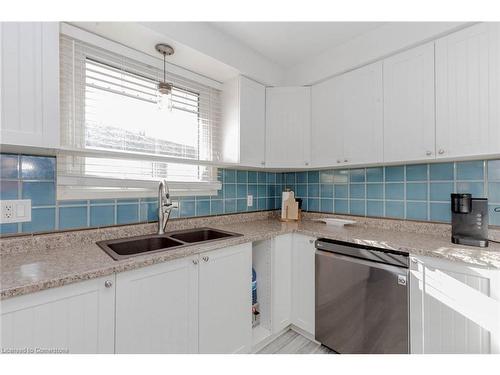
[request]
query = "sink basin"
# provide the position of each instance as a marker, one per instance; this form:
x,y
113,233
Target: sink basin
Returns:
x,y
201,235
133,246
124,248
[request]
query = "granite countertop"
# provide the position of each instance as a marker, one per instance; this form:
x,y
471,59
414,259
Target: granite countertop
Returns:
x,y
45,266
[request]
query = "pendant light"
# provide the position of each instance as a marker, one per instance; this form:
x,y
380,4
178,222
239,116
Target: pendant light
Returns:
x,y
164,93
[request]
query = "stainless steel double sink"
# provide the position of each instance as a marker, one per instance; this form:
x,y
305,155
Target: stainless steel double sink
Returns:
x,y
124,248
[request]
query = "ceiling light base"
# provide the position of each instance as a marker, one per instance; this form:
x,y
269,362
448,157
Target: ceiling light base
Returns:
x,y
164,49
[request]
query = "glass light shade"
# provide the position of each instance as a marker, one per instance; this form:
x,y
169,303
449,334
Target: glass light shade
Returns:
x,y
164,96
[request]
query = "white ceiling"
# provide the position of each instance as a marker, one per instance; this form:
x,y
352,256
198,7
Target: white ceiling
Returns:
x,y
290,43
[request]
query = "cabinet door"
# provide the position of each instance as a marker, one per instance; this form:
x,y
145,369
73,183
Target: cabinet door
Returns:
x,y
282,282
454,308
225,300
363,115
77,318
303,283
29,80
467,92
409,124
288,126
156,308
252,123
327,130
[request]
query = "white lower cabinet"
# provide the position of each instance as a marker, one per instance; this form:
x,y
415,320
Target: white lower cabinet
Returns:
x,y
225,300
454,308
190,305
157,308
281,282
303,283
76,318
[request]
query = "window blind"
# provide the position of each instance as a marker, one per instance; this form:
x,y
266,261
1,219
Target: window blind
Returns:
x,y
113,135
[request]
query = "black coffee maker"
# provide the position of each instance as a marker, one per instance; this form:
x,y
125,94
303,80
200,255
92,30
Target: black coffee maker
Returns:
x,y
469,220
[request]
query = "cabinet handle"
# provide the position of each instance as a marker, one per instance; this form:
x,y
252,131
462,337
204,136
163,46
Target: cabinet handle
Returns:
x,y
428,153
345,160
195,261
311,241
441,151
338,161
108,283
306,163
205,259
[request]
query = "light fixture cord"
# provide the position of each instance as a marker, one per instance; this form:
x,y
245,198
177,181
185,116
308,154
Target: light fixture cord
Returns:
x,y
164,67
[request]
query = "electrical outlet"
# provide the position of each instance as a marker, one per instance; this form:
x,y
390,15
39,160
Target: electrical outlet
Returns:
x,y
15,211
8,210
249,200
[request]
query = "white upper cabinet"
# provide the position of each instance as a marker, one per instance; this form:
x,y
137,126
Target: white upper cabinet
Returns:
x,y
244,122
29,80
252,123
467,92
288,127
348,118
409,105
363,115
327,127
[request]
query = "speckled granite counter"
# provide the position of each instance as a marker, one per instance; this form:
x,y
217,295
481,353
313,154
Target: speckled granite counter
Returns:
x,y
32,263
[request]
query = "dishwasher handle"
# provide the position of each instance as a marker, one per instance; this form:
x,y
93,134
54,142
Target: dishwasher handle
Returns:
x,y
369,253
400,271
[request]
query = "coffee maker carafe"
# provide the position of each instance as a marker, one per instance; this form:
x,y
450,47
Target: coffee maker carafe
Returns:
x,y
469,220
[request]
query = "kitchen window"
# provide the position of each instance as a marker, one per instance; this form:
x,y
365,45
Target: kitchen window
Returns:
x,y
116,142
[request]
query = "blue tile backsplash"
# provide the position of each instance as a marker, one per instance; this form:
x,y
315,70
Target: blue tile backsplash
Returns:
x,y
414,192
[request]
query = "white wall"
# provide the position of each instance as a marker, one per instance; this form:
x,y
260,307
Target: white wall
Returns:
x,y
206,50
381,42
223,47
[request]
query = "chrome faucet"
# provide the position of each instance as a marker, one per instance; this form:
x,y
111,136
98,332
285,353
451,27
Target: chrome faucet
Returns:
x,y
165,205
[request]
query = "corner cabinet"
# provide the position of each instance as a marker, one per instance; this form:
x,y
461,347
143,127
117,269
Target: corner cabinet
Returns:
x,y
76,318
468,92
454,308
244,122
29,84
288,127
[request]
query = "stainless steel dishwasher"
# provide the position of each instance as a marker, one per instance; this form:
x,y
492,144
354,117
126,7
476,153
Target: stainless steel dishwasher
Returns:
x,y
361,298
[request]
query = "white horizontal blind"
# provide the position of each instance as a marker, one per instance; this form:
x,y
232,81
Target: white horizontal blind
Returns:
x,y
108,105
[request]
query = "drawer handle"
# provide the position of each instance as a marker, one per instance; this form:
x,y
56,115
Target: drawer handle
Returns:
x,y
108,283
428,153
195,261
441,152
205,259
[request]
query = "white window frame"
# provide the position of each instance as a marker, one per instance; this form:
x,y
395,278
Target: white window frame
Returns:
x,y
74,187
